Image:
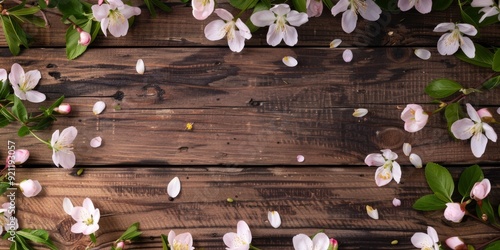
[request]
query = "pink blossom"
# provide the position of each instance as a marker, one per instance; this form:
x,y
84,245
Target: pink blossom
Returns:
x,y
20,156
235,31
449,42
455,243
480,189
85,37
63,109
454,212
241,239
30,187
334,244
120,245
422,6
368,9
429,240
24,83
114,16
415,117
388,168
314,8
202,8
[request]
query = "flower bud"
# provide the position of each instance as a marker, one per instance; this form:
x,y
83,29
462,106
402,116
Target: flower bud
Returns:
x,y
21,155
480,189
454,212
456,243
120,245
100,2
85,37
414,117
334,245
30,187
63,109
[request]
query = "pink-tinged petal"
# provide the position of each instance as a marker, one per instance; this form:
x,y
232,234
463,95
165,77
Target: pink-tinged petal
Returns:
x,y
462,129
315,8
447,44
185,238
371,11
97,216
118,28
115,3
21,155
237,43
405,5
67,206
490,132
263,18
87,204
32,78
35,96
3,75
433,234
16,75
455,243
374,160
396,202
296,19
215,30
100,12
443,27
321,241
341,6
420,240
388,154
349,21
347,55
79,213
424,6
423,54
67,159
229,238
243,29
453,212
274,35
467,29
472,113
171,237
202,14
54,137
416,160
90,229
373,213
280,9
78,228
482,3
478,144
467,47
396,172
224,14
302,242
104,26
243,231
68,134
291,37
484,113
55,158
382,176
129,11
18,92
488,11
96,142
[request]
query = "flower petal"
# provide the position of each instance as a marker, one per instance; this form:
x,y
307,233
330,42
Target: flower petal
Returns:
x,y
215,30
489,132
224,14
290,61
174,187
171,237
349,21
341,6
35,96
296,18
67,206
290,36
423,54
467,29
373,213
447,44
370,11
139,66
396,202
321,241
432,234
467,47
347,55
67,159
405,5
396,172
274,218
263,18
360,112
423,6
16,75
478,144
274,35
244,231
302,242
382,176
407,148
3,75
461,129
374,160
416,160
96,142
300,158
420,240
335,43
443,27
99,106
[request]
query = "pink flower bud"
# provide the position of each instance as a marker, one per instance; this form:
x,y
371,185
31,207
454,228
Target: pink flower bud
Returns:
x,y
456,243
120,245
484,112
21,155
100,2
334,244
30,187
63,109
85,37
454,212
481,189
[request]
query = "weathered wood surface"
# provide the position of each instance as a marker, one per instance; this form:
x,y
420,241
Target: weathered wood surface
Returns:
x,y
308,198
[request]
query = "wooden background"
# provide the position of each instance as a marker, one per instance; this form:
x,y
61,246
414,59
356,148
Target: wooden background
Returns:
x,y
252,116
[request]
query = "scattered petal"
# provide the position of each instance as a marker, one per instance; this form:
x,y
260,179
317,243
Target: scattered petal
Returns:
x,y
140,66
174,187
416,160
360,112
335,43
498,111
407,148
274,218
373,213
98,107
423,54
300,158
347,55
290,61
96,142
396,202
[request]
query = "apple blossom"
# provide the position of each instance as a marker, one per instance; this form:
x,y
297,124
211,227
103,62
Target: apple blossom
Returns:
x,y
202,8
120,245
422,6
449,42
466,128
63,109
414,117
368,9
314,8
114,16
86,217
454,212
20,156
24,83
30,188
62,146
488,7
85,37
100,2
235,31
7,220
174,187
455,243
480,189
241,239
334,245
303,242
426,241
274,218
280,19
182,241
387,169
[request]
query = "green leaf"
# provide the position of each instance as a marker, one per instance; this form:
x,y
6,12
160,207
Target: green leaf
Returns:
x,y
487,209
7,114
493,245
93,238
441,4
164,242
492,83
43,123
14,35
3,121
23,131
4,90
329,4
439,180
483,57
300,5
131,232
71,8
452,113
429,202
468,178
3,187
468,19
496,61
243,4
25,11
19,110
54,105
441,88
162,6
151,8
73,49
37,238
475,15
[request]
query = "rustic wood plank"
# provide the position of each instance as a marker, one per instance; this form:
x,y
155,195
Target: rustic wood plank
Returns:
x,y
308,198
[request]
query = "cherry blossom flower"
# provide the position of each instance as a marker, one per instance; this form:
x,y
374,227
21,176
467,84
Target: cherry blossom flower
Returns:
x,y
455,243
368,9
480,190
182,241
241,239
85,37
449,42
422,6
174,187
466,128
414,117
63,109
30,188
274,218
86,217
314,8
62,146
24,83
114,16
488,7
202,8
454,212
304,242
280,20
388,168
426,241
20,156
235,31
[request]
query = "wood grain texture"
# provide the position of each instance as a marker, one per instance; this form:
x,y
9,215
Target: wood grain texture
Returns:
x,y
308,199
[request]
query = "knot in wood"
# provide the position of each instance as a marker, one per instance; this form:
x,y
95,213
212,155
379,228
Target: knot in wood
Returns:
x,y
64,229
390,138
399,55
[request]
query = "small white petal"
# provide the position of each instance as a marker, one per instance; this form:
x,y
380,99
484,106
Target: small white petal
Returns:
x,y
347,55
396,202
300,158
274,218
290,61
498,111
360,112
373,213
98,107
174,187
416,160
407,148
140,66
335,43
96,142
423,54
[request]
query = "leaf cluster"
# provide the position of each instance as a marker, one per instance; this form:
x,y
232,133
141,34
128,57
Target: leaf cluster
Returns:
x,y
130,234
22,239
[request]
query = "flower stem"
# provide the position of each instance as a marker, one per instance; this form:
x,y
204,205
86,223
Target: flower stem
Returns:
x,y
40,139
254,248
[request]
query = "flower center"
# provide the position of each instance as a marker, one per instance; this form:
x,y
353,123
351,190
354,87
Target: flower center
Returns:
x,y
238,241
115,16
89,221
280,23
180,246
230,30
